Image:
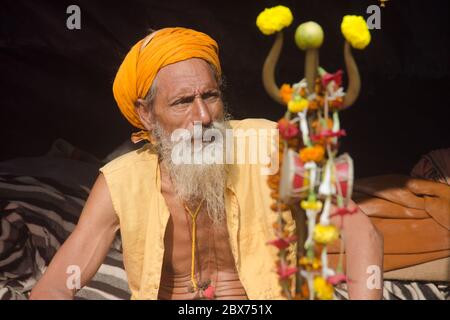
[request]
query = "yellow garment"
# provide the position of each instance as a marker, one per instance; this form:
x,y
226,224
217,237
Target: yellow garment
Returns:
x,y
161,48
135,187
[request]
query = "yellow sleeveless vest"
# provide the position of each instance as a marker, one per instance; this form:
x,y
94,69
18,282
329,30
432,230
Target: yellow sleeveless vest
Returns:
x,y
135,187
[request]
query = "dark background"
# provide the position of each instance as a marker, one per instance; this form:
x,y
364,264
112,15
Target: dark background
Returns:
x,y
56,83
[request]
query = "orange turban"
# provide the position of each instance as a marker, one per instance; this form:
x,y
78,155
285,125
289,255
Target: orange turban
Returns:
x,y
149,55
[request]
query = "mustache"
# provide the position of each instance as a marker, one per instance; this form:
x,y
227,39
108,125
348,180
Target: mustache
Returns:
x,y
205,133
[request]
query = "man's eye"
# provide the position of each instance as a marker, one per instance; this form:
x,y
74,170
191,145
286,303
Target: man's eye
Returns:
x,y
182,101
210,95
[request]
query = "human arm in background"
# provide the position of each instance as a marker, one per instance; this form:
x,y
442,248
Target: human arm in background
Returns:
x,y
363,253
85,248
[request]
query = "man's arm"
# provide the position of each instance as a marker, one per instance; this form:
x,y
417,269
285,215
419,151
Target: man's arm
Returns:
x,y
364,253
84,250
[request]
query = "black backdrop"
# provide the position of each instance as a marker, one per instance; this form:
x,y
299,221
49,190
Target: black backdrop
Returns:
x,y
56,83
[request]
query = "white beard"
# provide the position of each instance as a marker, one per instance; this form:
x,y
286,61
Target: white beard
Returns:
x,y
194,182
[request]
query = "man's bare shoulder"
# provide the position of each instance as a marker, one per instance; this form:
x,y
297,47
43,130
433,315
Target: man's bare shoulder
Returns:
x,y
145,153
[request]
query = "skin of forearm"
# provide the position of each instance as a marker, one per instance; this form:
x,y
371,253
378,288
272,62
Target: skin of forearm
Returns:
x,y
89,255
364,258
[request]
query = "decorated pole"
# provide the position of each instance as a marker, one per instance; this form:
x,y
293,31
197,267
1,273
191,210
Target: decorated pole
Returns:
x,y
314,181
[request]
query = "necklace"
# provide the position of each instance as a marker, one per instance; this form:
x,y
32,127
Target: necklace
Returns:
x,y
205,286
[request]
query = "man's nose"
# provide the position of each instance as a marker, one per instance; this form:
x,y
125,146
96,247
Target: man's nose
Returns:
x,y
200,112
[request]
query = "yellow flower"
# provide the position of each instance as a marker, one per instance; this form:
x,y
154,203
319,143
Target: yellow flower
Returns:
x,y
325,234
296,106
310,263
311,205
355,31
315,153
323,290
274,19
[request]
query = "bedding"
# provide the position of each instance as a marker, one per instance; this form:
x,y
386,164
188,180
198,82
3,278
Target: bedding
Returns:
x,y
41,199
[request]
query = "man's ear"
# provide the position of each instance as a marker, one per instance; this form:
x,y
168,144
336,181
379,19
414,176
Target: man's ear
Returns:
x,y
143,109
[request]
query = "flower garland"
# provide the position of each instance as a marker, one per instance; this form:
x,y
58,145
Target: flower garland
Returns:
x,y
315,127
311,130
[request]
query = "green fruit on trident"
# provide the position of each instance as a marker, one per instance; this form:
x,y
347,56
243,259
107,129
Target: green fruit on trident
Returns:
x,y
309,35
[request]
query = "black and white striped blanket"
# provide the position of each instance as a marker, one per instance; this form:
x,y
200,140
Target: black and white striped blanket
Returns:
x,y
405,290
40,203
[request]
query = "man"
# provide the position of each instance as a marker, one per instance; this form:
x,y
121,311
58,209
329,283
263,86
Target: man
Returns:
x,y
189,231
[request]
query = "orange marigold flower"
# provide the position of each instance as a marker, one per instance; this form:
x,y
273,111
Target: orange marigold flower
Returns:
x,y
310,263
313,105
274,195
337,103
279,206
317,125
286,93
315,153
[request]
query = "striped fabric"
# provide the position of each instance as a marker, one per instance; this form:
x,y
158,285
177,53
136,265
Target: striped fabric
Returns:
x,y
405,290
40,203
110,282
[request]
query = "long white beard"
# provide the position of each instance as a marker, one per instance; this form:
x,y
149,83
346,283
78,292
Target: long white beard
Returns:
x,y
194,182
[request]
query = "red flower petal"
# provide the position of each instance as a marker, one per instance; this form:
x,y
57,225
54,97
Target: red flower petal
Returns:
x,y
287,129
209,292
343,211
328,134
336,77
336,279
285,271
282,243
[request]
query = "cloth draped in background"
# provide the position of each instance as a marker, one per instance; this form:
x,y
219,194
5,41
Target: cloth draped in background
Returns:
x,y
413,214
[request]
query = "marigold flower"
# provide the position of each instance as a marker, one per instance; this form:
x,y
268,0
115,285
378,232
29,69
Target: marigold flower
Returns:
x,y
274,181
355,31
313,105
318,125
315,153
315,205
296,106
310,263
336,103
279,206
286,93
274,19
322,289
325,234
275,195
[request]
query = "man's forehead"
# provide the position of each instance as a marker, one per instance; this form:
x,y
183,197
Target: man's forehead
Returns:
x,y
187,74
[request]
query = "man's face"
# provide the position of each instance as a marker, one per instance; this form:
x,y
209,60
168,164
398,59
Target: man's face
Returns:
x,y
186,92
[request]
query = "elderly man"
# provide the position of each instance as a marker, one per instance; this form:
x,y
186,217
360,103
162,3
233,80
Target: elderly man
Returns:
x,y
189,230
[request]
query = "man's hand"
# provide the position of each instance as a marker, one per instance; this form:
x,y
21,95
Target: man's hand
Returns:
x,y
85,249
